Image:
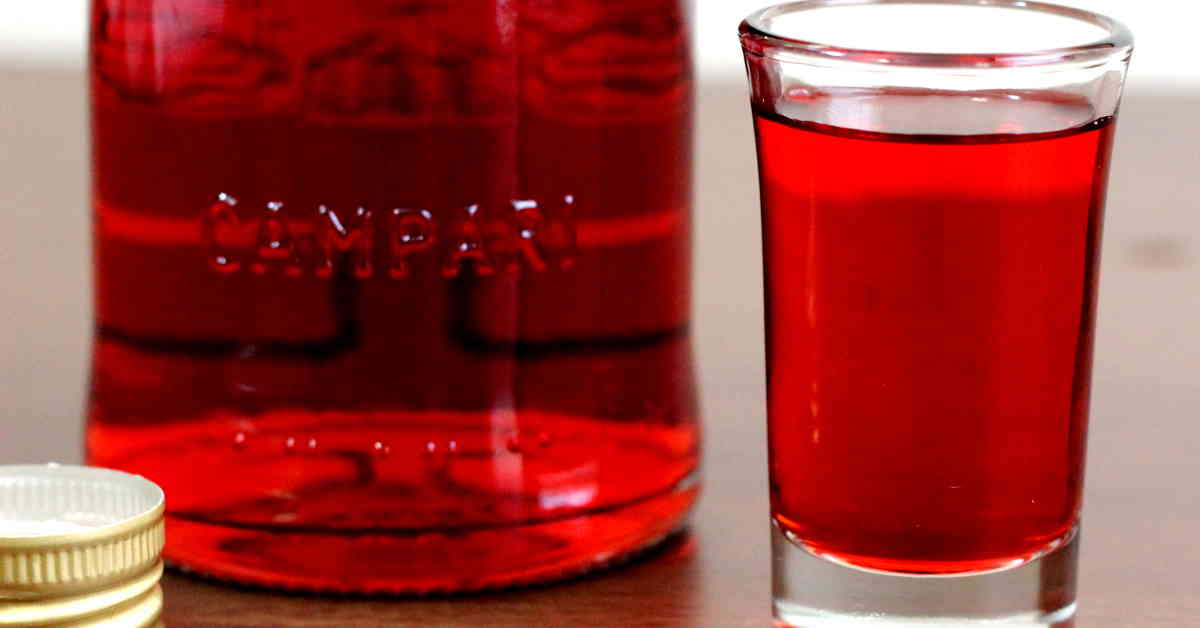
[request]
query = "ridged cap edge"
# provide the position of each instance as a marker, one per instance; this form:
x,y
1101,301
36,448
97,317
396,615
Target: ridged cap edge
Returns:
x,y
124,538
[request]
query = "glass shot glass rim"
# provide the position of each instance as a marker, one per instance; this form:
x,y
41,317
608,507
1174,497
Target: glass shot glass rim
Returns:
x,y
758,38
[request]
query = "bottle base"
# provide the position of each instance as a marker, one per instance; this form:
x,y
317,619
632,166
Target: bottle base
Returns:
x,y
814,592
427,562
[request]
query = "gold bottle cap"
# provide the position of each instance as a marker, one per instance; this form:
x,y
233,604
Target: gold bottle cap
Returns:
x,y
80,547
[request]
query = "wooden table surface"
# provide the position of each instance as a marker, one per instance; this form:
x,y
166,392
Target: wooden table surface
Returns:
x,y
1141,559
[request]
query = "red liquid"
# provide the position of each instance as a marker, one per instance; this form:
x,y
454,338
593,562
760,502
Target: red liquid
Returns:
x,y
930,315
483,376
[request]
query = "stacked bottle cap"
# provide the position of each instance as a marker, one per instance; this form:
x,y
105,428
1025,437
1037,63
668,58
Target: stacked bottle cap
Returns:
x,y
79,547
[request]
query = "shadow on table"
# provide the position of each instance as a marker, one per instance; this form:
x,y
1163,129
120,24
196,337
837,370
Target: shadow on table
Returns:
x,y
660,584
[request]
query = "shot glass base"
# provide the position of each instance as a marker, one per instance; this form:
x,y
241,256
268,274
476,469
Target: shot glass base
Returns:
x,y
813,592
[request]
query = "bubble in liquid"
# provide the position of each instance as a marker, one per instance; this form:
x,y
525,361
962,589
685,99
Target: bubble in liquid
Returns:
x,y
439,456
239,441
381,450
289,445
312,444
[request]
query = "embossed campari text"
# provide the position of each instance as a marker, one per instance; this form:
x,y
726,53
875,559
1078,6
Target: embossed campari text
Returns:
x,y
273,237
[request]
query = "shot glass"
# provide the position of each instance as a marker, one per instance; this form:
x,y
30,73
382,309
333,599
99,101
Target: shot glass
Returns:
x,y
933,177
